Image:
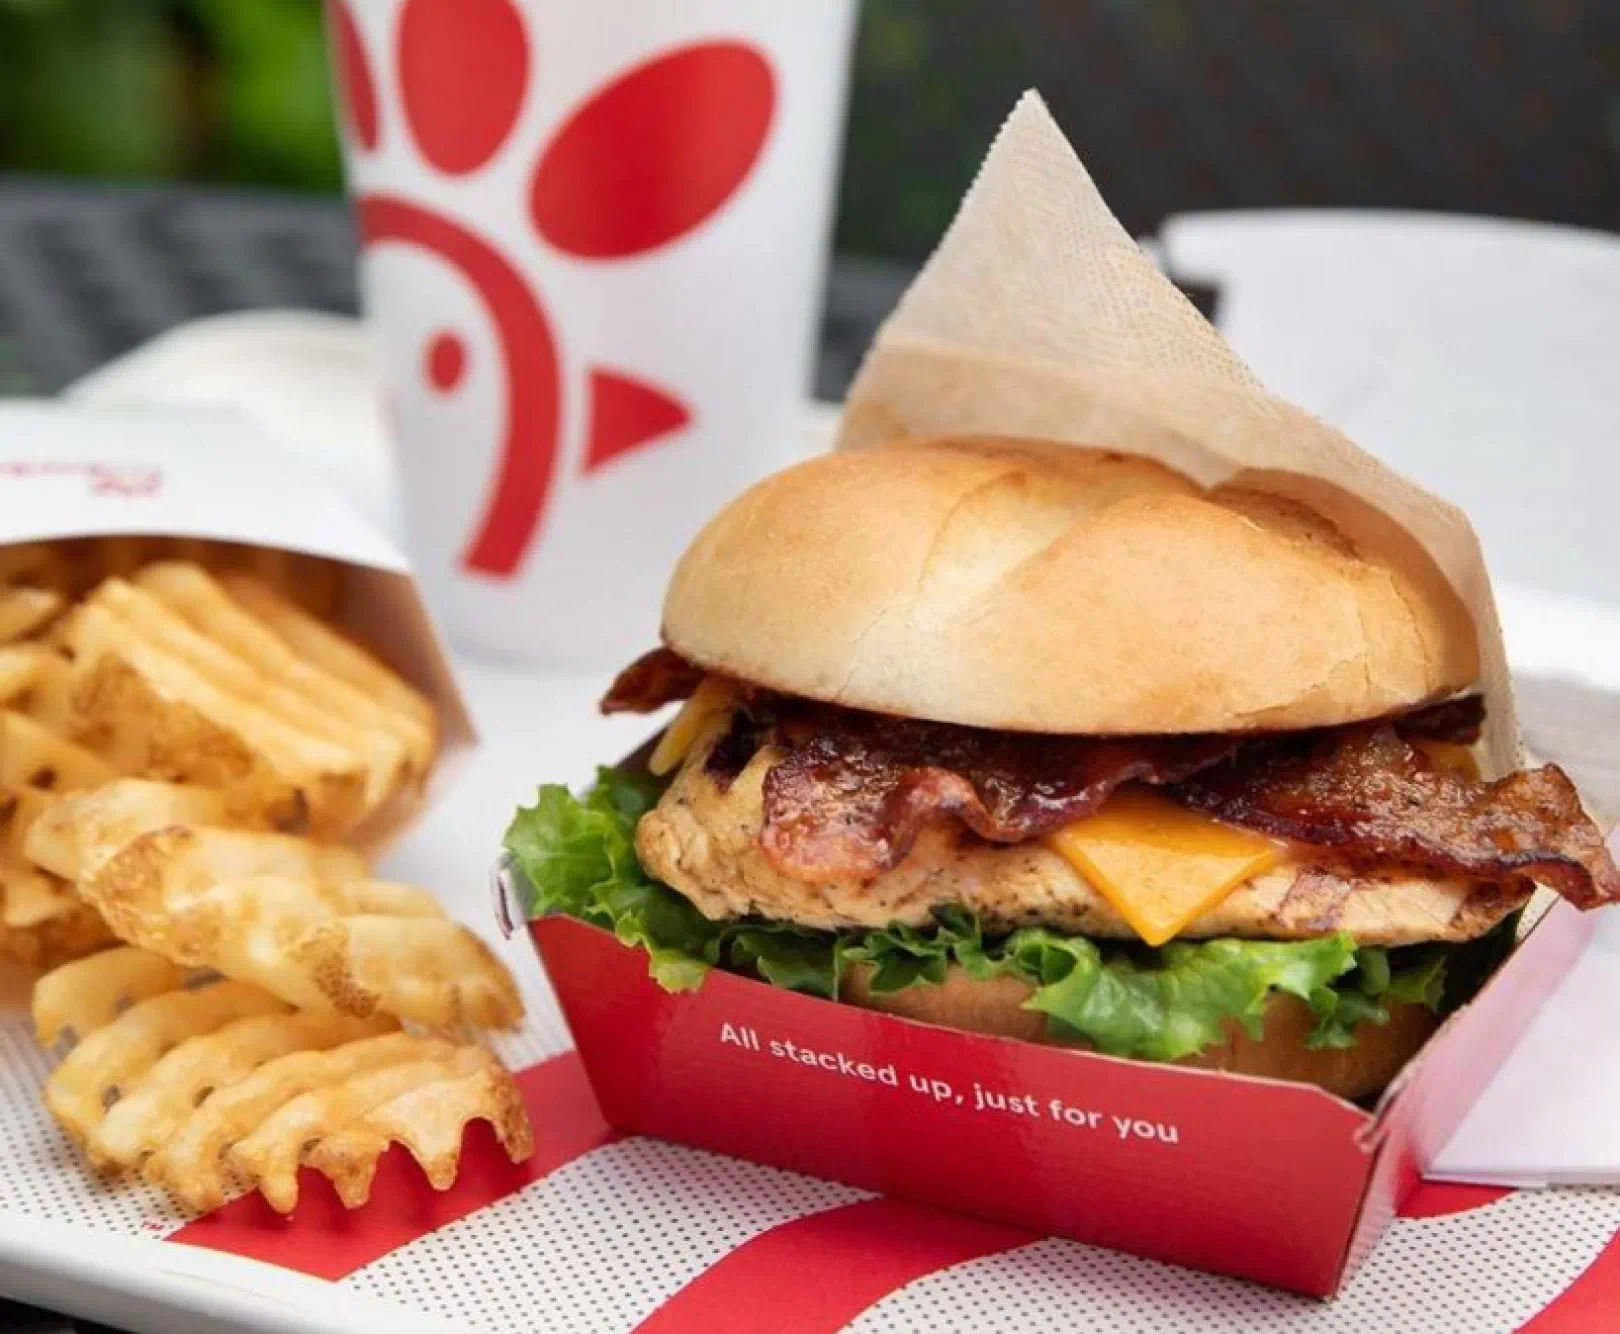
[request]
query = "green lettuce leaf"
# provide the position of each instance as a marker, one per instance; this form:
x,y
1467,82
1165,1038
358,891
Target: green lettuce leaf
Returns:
x,y
578,856
1170,1002
1414,975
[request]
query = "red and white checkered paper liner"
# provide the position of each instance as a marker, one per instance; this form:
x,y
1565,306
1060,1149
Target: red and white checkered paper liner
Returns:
x,y
605,1233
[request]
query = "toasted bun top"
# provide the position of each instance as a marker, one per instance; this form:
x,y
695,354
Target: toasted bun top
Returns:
x,y
1034,586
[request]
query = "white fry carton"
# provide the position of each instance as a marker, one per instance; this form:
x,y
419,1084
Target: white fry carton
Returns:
x,y
68,471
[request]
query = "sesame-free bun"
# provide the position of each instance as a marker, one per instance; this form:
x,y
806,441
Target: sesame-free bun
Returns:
x,y
1044,587
1356,1071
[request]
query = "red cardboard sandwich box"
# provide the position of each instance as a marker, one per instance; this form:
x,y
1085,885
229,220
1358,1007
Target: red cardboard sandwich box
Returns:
x,y
1273,1181
1037,318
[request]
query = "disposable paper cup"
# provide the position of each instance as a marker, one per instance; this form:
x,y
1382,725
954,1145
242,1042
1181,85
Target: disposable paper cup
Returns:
x,y
593,243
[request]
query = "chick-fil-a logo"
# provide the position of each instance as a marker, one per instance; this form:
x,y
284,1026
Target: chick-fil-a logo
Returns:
x,y
645,159
103,479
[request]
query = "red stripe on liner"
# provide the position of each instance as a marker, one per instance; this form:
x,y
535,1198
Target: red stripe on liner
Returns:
x,y
323,1238
1589,1303
815,1274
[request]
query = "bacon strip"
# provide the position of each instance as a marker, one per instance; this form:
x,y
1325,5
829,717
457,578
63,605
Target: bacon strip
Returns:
x,y
653,680
854,790
1368,793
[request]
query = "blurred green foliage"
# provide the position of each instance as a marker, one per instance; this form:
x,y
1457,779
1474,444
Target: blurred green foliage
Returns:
x,y
222,90
932,81
1176,104
237,91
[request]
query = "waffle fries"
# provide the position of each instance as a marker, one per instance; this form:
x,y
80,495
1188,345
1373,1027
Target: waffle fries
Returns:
x,y
183,759
301,920
218,1088
126,657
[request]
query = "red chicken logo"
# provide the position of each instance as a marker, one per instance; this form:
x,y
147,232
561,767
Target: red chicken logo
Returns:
x,y
644,160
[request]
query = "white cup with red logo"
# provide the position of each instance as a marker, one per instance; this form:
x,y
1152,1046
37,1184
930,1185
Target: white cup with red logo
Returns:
x,y
594,237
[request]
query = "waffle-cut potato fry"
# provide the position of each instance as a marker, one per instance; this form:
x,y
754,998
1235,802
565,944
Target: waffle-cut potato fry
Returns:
x,y
204,603
30,896
111,1060
316,642
25,610
229,899
391,899
278,911
27,803
32,755
162,868
429,969
72,933
87,994
20,666
271,1155
352,725
36,680
75,835
429,1120
192,1167
148,1115
197,730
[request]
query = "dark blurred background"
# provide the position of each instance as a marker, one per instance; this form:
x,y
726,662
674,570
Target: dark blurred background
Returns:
x,y
1507,107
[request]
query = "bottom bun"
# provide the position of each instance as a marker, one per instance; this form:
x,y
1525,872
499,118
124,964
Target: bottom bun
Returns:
x,y
994,1007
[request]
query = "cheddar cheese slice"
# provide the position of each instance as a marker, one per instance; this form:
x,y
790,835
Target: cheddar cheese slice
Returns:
x,y
1160,864
1451,756
713,696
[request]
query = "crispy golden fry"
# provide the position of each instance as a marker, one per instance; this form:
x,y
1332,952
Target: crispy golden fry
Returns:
x,y
73,836
25,610
279,912
44,687
428,969
110,1060
429,1120
228,899
28,803
210,610
19,669
271,1155
193,729
191,1165
149,1114
317,643
74,932
80,997
165,866
29,896
391,899
30,755
287,691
